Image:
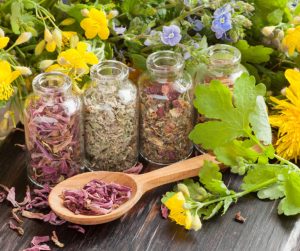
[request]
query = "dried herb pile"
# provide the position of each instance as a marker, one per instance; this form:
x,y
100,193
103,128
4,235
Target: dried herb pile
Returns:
x,y
111,127
166,121
96,198
53,139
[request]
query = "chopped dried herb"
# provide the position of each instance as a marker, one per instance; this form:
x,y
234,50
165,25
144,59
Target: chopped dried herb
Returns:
x,y
53,139
96,198
13,226
166,120
111,127
239,218
54,238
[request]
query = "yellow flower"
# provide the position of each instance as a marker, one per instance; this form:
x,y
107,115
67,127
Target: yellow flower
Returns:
x,y
7,76
50,40
292,40
178,213
3,42
95,23
75,59
68,37
287,121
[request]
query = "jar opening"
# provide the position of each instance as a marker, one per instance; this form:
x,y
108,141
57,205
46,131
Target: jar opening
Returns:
x,y
51,83
110,70
222,55
165,62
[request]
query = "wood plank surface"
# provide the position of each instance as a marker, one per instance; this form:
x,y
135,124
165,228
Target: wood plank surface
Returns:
x,y
143,227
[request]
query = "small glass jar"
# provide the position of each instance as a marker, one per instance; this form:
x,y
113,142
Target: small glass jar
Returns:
x,y
224,64
52,120
166,109
111,118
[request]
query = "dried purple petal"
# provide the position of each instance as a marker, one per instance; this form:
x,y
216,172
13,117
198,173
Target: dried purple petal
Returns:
x,y
164,211
15,215
2,196
13,226
43,247
54,238
53,219
11,197
96,198
39,239
135,169
80,229
27,198
32,215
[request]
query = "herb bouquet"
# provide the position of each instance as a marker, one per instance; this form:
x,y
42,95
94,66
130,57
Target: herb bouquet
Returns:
x,y
71,36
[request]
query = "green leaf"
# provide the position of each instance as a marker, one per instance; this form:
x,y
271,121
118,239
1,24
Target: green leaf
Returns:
x,y
139,61
213,210
211,177
275,17
197,192
253,54
260,174
273,192
214,101
73,10
259,120
16,8
290,205
227,202
167,196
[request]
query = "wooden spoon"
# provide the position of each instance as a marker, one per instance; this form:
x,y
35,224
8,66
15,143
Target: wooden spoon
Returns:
x,y
138,183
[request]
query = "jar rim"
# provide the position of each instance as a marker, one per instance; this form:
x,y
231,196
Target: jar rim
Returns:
x,y
165,61
217,52
109,70
41,83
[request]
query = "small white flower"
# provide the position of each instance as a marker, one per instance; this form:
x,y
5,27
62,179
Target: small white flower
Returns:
x,y
23,38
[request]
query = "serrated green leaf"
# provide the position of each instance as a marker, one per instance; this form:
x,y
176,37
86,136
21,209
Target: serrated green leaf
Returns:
x,y
254,54
213,210
273,192
197,192
290,205
259,120
167,196
227,202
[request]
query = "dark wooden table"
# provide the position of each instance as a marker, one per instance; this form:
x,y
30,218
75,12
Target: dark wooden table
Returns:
x,y
143,227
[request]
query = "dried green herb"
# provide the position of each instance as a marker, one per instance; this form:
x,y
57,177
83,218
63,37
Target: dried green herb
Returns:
x,y
111,127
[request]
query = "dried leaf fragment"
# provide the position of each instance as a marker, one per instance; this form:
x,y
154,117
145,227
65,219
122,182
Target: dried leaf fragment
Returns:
x,y
54,238
13,226
239,218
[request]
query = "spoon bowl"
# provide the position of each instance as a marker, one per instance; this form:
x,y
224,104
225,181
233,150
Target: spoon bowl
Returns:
x,y
139,184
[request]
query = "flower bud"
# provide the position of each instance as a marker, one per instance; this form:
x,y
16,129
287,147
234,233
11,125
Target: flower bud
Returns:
x,y
25,71
43,65
296,20
2,33
196,223
67,21
74,41
268,31
112,14
184,189
57,37
47,35
32,30
85,12
23,38
40,47
283,91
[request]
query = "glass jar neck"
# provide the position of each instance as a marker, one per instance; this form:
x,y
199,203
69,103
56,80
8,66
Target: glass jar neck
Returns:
x,y
109,72
223,57
165,66
52,84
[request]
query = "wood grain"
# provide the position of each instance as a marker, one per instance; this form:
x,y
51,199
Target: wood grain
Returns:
x,y
144,229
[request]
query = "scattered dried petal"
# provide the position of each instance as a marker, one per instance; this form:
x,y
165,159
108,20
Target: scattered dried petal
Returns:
x,y
43,247
135,169
11,197
239,218
80,229
13,226
27,198
39,239
32,215
14,214
54,238
164,211
53,219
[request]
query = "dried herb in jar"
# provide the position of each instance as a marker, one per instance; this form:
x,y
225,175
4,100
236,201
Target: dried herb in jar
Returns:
x,y
111,119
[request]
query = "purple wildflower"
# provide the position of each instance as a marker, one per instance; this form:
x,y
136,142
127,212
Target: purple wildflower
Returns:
x,y
222,21
196,23
171,35
119,30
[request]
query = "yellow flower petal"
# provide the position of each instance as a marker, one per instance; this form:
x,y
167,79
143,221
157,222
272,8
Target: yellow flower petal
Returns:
x,y
98,15
3,42
103,33
82,47
40,47
6,78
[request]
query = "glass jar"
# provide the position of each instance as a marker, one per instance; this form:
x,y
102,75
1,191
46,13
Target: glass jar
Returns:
x,y
224,64
166,109
53,130
111,118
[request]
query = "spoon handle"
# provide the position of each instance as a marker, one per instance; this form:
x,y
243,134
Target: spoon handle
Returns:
x,y
175,172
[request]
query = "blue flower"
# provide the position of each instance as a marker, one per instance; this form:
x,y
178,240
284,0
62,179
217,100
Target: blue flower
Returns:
x,y
171,35
222,21
197,24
